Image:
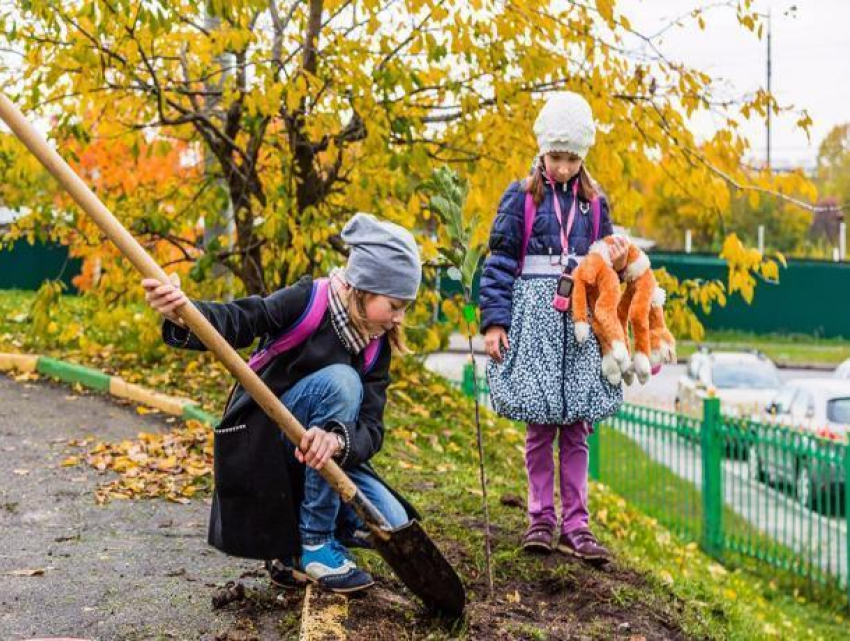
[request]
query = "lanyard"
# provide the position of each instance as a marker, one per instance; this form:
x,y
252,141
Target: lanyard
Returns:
x,y
565,235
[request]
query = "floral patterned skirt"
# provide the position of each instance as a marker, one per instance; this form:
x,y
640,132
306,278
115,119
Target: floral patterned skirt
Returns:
x,y
546,376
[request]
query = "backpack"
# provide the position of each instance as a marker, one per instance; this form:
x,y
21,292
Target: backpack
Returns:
x,y
530,213
303,328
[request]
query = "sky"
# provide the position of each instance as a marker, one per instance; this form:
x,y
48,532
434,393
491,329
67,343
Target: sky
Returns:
x,y
810,64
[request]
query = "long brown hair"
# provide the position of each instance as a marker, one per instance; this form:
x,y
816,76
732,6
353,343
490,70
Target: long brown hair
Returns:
x,y
357,313
536,183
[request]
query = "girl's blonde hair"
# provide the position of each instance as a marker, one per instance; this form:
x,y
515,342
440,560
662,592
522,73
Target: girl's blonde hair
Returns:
x,y
536,182
357,313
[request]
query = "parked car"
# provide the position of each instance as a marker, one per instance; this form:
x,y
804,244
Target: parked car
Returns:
x,y
804,446
743,381
843,370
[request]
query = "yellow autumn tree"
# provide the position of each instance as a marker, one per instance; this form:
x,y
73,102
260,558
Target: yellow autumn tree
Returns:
x,y
296,114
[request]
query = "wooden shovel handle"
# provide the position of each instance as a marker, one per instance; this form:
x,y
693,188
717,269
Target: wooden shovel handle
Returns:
x,y
142,261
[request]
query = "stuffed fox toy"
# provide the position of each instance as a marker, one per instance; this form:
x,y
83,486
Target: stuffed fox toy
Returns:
x,y
662,345
640,305
596,283
660,339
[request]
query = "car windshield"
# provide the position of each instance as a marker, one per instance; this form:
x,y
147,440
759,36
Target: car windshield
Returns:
x,y
838,410
745,376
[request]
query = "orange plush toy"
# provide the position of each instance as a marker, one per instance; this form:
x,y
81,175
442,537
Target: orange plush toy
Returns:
x,y
634,308
596,283
660,339
642,307
639,306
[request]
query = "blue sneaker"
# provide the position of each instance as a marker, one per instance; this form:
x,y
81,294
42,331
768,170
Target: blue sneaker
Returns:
x,y
331,567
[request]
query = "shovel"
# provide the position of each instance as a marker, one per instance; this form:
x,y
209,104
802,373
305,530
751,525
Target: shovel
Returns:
x,y
407,549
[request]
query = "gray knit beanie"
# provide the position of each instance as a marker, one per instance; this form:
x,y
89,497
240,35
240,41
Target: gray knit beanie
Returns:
x,y
565,124
384,257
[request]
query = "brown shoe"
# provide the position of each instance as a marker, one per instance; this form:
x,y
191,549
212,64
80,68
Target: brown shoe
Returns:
x,y
539,538
582,544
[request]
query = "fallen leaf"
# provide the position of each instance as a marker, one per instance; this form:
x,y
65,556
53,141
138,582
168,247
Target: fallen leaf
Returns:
x,y
35,572
71,460
514,598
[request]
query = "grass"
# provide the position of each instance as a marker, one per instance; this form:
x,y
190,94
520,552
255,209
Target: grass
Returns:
x,y
715,602
796,350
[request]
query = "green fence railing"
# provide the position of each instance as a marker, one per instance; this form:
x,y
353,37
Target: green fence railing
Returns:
x,y
27,266
738,487
811,284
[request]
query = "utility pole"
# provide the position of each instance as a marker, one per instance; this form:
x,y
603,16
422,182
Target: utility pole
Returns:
x,y
769,78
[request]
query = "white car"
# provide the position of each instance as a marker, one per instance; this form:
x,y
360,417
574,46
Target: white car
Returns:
x,y
808,407
842,371
816,405
743,381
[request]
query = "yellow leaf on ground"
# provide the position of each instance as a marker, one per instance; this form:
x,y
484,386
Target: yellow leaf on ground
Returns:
x,y
34,572
167,464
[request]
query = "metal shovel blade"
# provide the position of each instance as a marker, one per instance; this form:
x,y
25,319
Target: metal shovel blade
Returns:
x,y
423,569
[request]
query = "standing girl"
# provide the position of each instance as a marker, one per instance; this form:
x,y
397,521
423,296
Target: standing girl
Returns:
x,y
537,371
270,503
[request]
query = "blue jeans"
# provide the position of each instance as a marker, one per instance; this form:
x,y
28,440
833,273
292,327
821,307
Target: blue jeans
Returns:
x,y
334,392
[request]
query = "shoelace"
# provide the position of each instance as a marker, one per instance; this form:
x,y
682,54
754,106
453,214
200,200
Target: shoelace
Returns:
x,y
343,551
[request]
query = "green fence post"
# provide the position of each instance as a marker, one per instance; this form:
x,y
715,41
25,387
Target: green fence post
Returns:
x,y
712,479
847,518
467,385
593,453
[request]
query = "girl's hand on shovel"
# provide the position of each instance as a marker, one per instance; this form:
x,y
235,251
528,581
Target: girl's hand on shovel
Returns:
x,y
166,299
317,447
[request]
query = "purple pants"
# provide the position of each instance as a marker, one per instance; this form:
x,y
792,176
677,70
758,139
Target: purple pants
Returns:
x,y
540,465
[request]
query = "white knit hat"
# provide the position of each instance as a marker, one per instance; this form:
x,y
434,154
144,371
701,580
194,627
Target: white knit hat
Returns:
x,y
565,124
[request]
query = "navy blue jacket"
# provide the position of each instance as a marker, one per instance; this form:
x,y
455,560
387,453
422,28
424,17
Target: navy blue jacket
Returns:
x,y
500,268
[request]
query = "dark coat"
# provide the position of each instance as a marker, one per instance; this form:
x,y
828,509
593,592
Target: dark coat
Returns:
x,y
500,268
258,482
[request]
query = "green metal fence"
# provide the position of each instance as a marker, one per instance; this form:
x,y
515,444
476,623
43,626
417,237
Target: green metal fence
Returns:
x,y
27,266
802,302
738,487
763,491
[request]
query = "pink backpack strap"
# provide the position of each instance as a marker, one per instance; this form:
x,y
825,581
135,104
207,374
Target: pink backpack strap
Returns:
x,y
596,209
529,214
370,354
304,327
306,324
